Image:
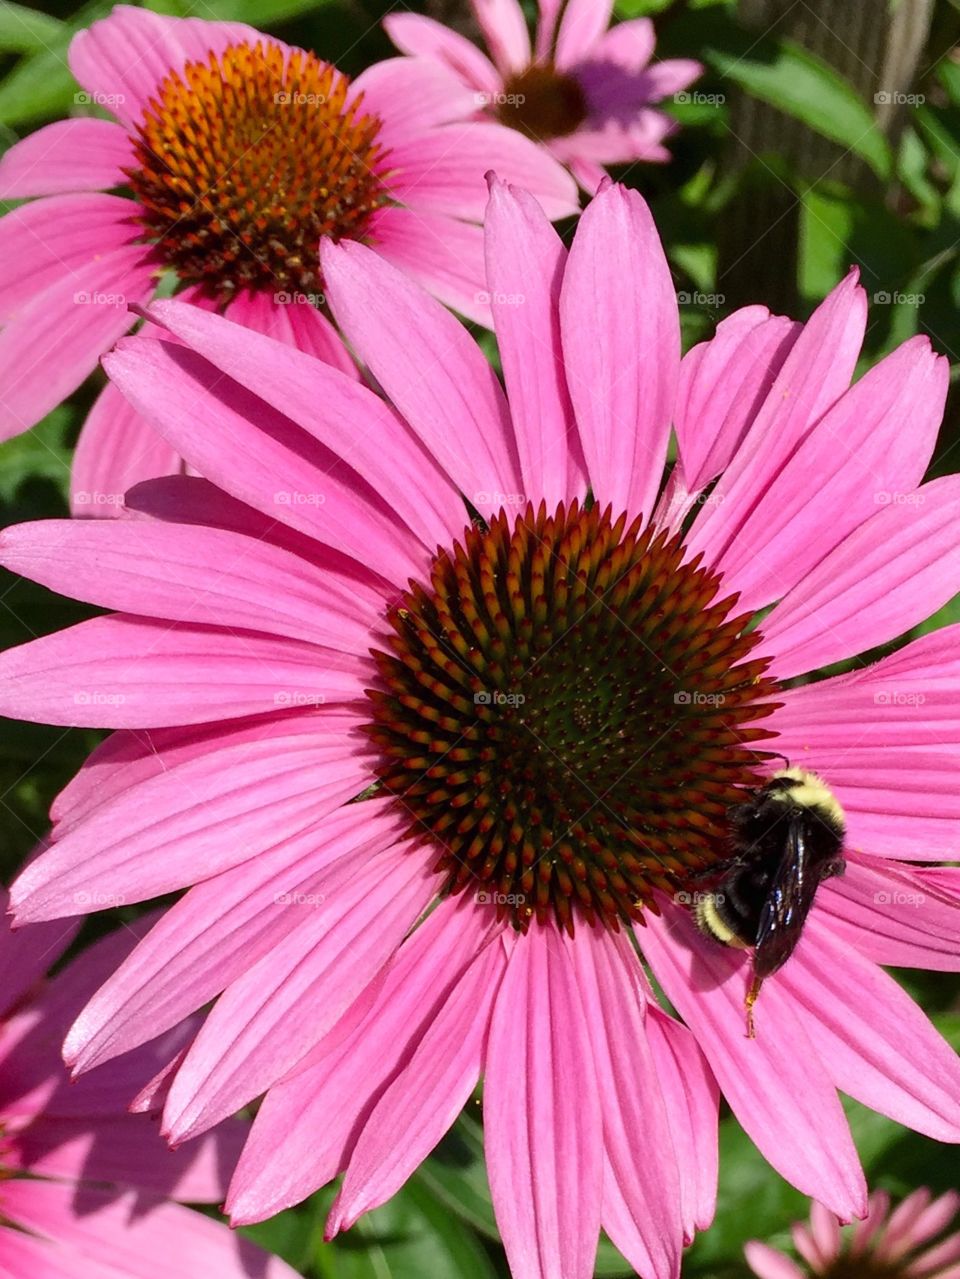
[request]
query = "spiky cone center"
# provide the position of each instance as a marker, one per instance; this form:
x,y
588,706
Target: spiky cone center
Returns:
x,y
542,102
246,161
568,710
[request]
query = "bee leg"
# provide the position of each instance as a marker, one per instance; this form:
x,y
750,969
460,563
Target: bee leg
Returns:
x,y
749,1001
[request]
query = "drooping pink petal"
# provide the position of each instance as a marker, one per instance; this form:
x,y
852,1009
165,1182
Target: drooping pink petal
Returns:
x,y
815,373
117,449
525,264
504,29
296,322
122,59
274,1014
863,458
424,37
889,574
79,317
775,1084
442,171
216,932
187,574
583,24
641,1187
622,360
767,1263
411,96
194,821
315,1115
423,1102
442,254
450,395
321,400
873,1039
131,672
70,155
254,453
542,1117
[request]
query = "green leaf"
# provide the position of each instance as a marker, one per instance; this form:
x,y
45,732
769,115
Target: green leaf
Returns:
x,y
42,85
260,13
26,30
38,454
796,82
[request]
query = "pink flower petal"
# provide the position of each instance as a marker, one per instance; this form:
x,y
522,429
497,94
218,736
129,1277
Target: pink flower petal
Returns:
x,y
606,139
863,457
665,78
426,38
628,44
450,395
767,1263
194,821
316,1113
243,446
441,253
320,399
411,96
542,1119
70,155
117,449
79,317
874,1041
122,59
188,574
622,359
273,1015
297,323
442,171
216,932
889,574
131,672
583,24
525,263
504,29
785,1100
25,956
423,1102
641,1193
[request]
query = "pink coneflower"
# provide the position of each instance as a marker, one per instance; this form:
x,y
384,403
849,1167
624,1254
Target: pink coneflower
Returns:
x,y
585,93
87,1189
885,1245
240,154
412,870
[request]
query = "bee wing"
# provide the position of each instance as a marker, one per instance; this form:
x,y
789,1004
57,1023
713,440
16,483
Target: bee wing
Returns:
x,y
788,903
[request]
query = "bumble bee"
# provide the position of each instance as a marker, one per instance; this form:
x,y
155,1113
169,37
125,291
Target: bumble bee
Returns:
x,y
786,839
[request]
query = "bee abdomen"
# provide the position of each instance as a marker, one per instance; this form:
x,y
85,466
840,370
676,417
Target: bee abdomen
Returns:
x,y
717,916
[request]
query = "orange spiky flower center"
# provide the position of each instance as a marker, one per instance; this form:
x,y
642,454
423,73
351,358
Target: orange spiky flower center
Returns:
x,y
567,711
247,160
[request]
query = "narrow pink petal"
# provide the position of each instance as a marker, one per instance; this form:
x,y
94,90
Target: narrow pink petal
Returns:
x,y
70,155
422,1103
117,449
441,253
548,12
426,38
662,79
254,453
450,395
582,25
628,44
888,575
622,359
767,1263
131,672
525,264
412,95
641,1194
542,1119
320,399
894,915
442,171
775,1084
133,1235
296,322
25,1254
316,1113
273,1015
874,1041
217,931
122,59
188,574
79,317
937,1216
864,459
199,819
815,373
26,955
504,28
825,1230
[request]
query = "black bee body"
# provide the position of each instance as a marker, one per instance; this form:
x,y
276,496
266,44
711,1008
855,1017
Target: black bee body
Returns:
x,y
786,839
